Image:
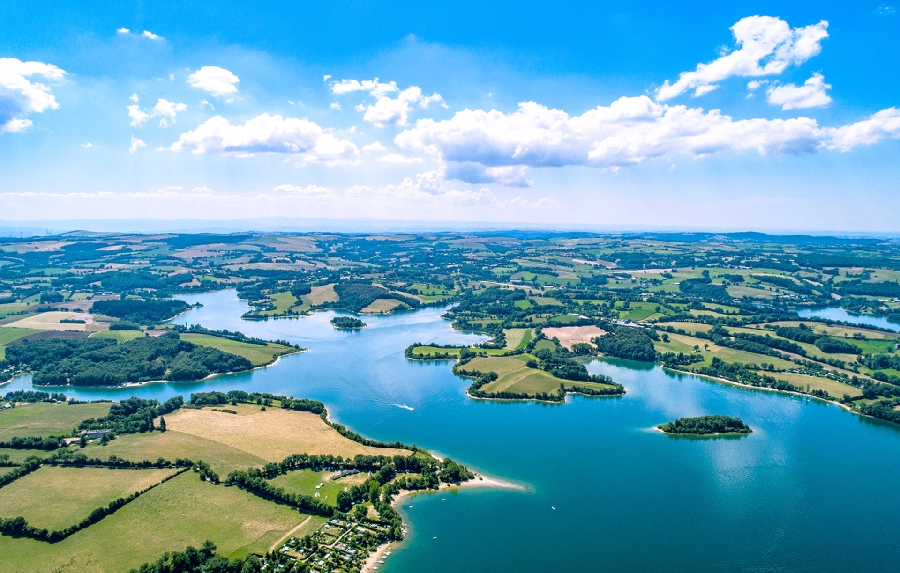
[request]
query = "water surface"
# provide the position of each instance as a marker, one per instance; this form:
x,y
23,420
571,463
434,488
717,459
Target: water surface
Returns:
x,y
838,313
814,488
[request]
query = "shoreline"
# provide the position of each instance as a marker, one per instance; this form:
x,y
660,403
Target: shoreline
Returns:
x,y
478,481
712,435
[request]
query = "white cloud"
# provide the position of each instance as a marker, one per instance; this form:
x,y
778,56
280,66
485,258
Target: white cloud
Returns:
x,y
810,94
151,35
123,31
399,158
20,96
882,125
492,146
217,81
202,189
335,105
136,144
87,145
374,87
134,98
386,111
374,147
164,109
766,46
308,191
326,77
268,134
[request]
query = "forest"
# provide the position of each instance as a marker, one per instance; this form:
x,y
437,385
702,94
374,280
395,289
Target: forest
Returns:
x,y
705,425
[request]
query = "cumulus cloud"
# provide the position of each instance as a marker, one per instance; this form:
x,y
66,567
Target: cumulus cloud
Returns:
x,y
335,105
20,96
374,147
215,80
765,46
308,191
123,31
399,158
492,146
136,144
386,110
151,35
810,94
882,125
164,109
268,134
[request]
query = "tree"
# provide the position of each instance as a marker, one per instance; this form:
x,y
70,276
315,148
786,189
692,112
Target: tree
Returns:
x,y
360,512
162,424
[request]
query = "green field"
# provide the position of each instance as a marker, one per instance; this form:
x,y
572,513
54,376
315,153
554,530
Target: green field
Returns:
x,y
305,482
515,376
257,354
119,336
183,511
517,338
682,343
283,301
170,445
833,387
55,497
425,351
44,419
11,334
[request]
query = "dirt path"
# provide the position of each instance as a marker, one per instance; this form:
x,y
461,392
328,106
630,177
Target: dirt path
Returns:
x,y
288,535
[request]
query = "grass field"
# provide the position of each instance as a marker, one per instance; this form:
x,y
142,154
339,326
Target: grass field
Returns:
x,y
44,419
282,301
18,456
545,301
689,327
833,387
515,376
749,292
272,435
844,332
170,445
305,482
183,511
257,354
11,334
426,350
56,498
517,338
119,336
383,306
682,343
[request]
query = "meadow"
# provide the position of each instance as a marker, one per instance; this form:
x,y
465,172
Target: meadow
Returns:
x,y
43,419
257,354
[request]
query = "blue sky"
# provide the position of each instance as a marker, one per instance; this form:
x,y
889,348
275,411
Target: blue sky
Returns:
x,y
768,116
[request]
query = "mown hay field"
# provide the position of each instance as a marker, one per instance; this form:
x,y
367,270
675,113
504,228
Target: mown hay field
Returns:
x,y
272,435
57,497
257,354
183,511
44,419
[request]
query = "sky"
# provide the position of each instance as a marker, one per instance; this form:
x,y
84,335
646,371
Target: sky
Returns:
x,y
770,116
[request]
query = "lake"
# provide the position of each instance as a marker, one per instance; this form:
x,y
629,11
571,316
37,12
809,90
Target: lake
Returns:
x,y
812,489
838,313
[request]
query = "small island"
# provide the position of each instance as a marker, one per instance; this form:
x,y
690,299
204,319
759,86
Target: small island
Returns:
x,y
347,323
706,426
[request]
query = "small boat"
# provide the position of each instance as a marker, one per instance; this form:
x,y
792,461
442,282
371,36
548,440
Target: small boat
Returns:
x,y
553,507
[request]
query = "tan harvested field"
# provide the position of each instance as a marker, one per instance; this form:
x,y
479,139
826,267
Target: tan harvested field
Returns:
x,y
183,511
44,419
689,327
51,321
320,294
171,445
569,335
382,306
272,435
56,498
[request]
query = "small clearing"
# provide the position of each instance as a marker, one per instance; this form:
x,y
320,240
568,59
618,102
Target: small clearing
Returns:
x,y
382,306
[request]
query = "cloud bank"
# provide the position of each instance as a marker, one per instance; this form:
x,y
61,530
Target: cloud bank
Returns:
x,y
20,97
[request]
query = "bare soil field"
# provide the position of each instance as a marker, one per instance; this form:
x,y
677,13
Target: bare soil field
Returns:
x,y
569,335
320,294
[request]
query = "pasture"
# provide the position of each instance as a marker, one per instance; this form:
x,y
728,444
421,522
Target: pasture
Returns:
x,y
44,419
183,511
517,338
57,497
515,376
257,354
383,306
51,321
11,334
119,336
807,383
305,482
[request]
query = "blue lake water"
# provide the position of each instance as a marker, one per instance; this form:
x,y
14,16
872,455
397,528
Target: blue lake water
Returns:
x,y
838,313
814,488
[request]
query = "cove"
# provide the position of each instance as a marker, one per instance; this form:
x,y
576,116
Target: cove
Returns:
x,y
813,488
839,314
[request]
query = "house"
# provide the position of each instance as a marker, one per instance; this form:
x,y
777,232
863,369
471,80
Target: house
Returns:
x,y
66,442
94,434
